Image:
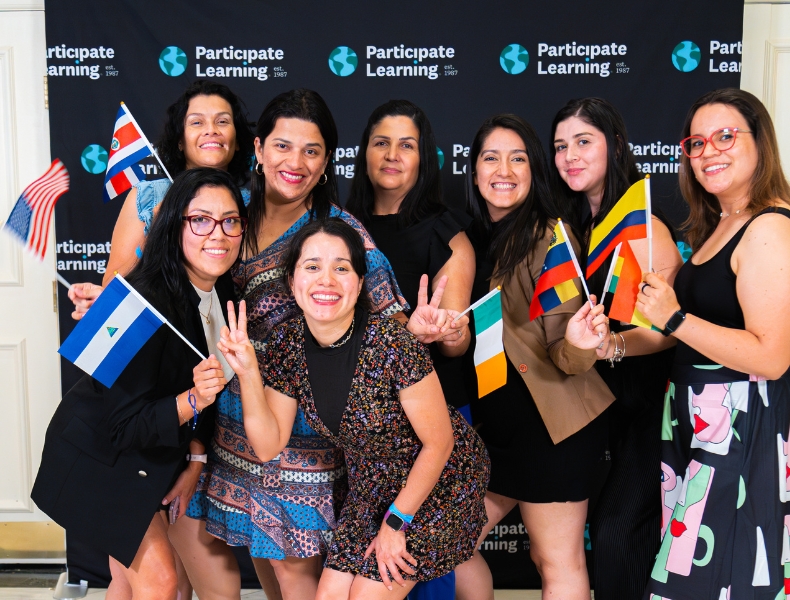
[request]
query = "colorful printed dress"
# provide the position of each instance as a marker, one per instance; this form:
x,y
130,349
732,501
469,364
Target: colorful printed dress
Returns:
x,y
284,507
725,442
380,448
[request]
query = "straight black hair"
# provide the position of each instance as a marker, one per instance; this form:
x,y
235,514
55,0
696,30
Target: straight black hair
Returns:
x,y
425,198
335,227
305,105
520,230
161,274
173,134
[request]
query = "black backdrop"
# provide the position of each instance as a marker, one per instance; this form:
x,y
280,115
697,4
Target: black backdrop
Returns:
x,y
460,61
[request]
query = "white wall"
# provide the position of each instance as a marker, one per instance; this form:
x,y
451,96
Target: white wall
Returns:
x,y
766,64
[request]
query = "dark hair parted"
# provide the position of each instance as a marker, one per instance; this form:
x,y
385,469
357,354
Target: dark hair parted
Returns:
x,y
161,274
518,232
305,105
768,181
621,171
425,198
173,134
335,227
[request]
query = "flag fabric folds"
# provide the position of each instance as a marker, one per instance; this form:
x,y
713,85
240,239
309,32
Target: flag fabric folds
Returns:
x,y
626,277
555,285
108,337
490,361
30,218
128,147
626,221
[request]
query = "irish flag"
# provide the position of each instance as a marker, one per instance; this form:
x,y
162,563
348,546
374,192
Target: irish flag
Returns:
x,y
490,362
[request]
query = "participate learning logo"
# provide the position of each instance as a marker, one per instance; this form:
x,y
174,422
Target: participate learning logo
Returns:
x,y
343,61
514,59
173,61
686,56
94,159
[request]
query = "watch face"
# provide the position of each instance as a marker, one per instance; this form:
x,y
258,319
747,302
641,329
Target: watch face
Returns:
x,y
394,521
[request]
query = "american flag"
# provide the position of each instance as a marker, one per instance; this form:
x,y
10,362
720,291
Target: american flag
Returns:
x,y
32,214
129,146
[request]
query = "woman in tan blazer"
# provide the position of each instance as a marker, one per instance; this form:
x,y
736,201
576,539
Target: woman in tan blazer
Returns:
x,y
541,428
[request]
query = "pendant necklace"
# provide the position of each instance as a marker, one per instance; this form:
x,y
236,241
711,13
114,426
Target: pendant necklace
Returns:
x,y
210,304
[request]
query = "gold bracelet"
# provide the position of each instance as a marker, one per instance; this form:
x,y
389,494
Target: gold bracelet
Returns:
x,y
180,416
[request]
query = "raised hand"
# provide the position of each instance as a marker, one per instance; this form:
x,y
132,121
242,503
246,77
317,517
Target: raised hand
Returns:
x,y
588,327
234,343
209,380
428,322
83,295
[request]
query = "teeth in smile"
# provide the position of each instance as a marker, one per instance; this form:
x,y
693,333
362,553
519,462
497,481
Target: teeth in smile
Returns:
x,y
291,177
215,251
503,186
326,297
714,168
211,145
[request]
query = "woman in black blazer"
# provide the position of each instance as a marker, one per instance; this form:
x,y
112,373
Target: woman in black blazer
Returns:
x,y
112,455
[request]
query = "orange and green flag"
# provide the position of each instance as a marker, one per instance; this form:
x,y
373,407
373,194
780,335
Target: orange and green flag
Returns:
x,y
625,277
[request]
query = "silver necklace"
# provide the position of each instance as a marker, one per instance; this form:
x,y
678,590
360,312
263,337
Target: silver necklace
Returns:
x,y
725,215
345,339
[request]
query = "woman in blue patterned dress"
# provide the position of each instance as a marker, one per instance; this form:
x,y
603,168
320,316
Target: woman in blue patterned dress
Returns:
x,y
283,509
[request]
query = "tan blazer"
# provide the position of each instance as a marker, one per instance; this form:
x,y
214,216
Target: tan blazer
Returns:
x,y
567,390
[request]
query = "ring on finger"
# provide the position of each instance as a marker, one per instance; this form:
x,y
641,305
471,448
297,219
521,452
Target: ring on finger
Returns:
x,y
644,285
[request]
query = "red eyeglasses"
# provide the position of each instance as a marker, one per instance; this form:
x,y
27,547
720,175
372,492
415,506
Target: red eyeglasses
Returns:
x,y
204,225
722,139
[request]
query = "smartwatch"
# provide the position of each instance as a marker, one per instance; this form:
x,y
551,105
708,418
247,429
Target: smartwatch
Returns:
x,y
197,458
395,522
674,322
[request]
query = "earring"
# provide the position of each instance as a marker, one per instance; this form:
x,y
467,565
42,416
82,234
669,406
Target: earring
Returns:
x,y
257,170
326,178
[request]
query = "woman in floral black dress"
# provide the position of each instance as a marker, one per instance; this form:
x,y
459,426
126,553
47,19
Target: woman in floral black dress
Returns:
x,y
369,386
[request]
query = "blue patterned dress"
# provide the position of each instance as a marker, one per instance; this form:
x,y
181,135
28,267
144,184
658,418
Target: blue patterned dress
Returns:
x,y
287,506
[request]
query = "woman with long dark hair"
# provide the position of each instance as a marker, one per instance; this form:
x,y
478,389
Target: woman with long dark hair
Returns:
x,y
543,429
282,510
112,454
594,168
724,439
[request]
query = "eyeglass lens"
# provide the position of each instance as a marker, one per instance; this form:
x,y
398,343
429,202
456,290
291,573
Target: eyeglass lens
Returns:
x,y
723,139
232,226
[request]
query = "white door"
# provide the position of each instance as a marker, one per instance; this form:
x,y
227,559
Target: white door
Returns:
x,y
29,366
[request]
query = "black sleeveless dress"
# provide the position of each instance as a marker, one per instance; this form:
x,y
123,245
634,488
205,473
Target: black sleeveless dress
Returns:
x,y
726,515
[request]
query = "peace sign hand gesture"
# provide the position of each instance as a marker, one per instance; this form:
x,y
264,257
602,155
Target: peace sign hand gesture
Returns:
x,y
428,322
235,345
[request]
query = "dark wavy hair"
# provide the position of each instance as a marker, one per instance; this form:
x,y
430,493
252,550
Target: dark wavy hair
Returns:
x,y
621,171
768,181
173,134
519,231
425,198
305,105
161,274
336,227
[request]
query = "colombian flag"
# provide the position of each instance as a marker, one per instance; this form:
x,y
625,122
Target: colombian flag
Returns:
x,y
555,285
626,277
626,221
490,361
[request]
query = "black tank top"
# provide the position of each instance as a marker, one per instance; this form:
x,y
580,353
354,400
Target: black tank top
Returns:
x,y
708,291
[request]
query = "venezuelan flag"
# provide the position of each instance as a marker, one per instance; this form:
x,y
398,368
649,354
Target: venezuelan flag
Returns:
x,y
555,285
626,221
625,282
490,361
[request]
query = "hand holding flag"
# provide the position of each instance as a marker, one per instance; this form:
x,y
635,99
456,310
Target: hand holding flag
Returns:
x,y
624,280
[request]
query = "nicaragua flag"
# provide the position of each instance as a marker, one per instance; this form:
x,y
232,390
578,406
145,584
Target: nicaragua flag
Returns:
x,y
112,332
128,147
555,284
490,361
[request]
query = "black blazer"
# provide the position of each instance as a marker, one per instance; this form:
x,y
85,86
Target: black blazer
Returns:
x,y
111,454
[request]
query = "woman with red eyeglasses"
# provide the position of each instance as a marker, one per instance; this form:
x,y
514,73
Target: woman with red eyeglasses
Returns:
x,y
725,492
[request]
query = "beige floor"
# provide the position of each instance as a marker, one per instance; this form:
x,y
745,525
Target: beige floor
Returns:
x,y
45,594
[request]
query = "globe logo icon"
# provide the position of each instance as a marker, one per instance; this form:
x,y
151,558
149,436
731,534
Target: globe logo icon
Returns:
x,y
343,61
94,159
440,154
686,56
514,59
173,61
